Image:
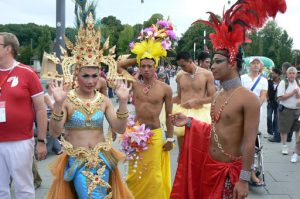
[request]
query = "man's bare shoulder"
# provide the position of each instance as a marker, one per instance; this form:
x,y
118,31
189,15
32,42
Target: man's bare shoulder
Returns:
x,y
179,74
163,85
205,72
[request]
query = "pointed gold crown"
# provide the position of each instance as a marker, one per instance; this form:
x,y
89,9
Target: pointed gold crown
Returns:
x,y
87,52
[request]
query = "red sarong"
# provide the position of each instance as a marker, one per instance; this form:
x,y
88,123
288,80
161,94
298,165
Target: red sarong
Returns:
x,y
198,176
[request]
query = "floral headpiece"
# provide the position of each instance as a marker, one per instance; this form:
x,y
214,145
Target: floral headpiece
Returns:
x,y
244,15
154,41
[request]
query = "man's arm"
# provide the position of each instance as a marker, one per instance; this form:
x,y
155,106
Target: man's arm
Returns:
x,y
251,110
41,119
123,64
262,97
251,121
168,110
177,99
210,89
118,125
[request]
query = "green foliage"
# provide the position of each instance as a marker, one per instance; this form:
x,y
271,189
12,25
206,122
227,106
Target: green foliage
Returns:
x,y
296,57
195,34
44,43
25,54
111,27
34,39
137,29
125,37
153,19
272,42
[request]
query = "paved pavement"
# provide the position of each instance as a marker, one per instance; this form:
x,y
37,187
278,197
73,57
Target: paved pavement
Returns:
x,y
282,177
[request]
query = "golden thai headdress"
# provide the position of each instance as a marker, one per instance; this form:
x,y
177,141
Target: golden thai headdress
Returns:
x,y
87,52
154,41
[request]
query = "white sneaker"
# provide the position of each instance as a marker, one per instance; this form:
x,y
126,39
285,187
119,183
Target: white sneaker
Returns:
x,y
285,150
267,135
294,158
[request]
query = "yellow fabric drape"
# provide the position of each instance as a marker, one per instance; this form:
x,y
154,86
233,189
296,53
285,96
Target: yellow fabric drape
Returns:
x,y
202,114
154,169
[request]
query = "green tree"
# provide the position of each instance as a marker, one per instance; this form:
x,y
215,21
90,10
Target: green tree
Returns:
x,y
125,37
195,34
44,43
296,57
111,27
25,54
272,42
137,29
153,19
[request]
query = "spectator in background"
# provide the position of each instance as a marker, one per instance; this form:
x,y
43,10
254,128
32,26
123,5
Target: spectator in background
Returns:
x,y
19,83
204,60
284,67
272,117
256,83
288,94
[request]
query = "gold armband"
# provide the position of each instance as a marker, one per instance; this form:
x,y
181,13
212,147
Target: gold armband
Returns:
x,y
57,117
122,115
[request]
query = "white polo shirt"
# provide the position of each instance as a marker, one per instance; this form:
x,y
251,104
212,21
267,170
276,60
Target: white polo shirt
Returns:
x,y
247,82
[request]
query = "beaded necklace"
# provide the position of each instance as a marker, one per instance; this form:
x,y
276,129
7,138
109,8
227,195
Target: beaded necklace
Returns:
x,y
214,121
147,87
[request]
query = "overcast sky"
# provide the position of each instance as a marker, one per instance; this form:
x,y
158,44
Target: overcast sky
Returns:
x,y
181,12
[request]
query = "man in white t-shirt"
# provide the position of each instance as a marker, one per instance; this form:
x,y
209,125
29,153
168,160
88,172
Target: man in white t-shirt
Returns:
x,y
258,84
288,93
249,80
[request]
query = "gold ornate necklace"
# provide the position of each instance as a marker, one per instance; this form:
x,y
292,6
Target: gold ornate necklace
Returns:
x,y
87,106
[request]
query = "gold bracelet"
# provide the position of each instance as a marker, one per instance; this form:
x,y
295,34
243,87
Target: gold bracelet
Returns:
x,y
123,115
56,118
62,114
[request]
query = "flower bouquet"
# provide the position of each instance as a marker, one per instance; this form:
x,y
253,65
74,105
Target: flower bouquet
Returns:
x,y
135,139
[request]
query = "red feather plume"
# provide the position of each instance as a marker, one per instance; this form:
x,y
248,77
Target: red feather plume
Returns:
x,y
242,16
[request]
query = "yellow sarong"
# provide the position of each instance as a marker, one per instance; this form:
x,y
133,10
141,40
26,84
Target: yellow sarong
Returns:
x,y
151,179
202,114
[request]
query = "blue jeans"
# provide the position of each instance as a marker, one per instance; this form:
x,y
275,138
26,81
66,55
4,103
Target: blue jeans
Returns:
x,y
272,118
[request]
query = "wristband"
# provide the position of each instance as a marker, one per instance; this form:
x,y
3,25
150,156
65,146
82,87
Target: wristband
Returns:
x,y
170,139
245,175
189,122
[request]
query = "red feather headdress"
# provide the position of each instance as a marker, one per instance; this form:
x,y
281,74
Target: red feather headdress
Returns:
x,y
230,32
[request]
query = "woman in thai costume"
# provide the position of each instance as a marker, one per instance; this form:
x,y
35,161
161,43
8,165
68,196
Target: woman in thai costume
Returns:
x,y
88,167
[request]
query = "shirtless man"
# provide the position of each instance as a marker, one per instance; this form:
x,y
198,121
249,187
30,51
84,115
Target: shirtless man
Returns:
x,y
195,88
150,94
224,149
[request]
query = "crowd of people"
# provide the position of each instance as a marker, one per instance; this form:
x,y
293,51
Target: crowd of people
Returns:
x,y
215,115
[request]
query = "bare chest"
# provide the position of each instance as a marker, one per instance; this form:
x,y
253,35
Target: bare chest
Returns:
x,y
196,83
150,95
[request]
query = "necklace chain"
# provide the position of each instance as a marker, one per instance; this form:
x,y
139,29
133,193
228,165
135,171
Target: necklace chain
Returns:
x,y
194,74
214,121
